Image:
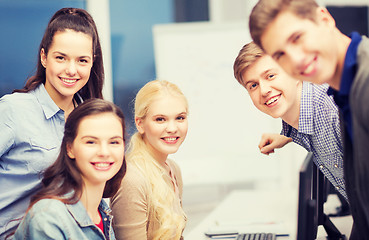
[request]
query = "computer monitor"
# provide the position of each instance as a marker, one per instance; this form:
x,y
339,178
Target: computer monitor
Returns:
x,y
307,221
312,195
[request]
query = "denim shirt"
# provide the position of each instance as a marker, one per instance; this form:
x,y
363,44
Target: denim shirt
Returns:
x,y
31,131
52,219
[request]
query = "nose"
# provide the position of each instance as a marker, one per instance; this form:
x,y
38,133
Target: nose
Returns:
x,y
171,126
71,68
296,56
103,150
264,87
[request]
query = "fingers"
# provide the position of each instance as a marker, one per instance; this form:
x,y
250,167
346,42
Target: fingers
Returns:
x,y
268,149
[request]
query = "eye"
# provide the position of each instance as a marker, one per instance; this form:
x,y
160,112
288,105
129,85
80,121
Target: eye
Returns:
x,y
115,142
278,56
181,118
271,76
296,38
90,142
159,119
60,58
83,61
251,86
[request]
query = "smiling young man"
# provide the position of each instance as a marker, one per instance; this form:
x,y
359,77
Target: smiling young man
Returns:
x,y
307,112
303,38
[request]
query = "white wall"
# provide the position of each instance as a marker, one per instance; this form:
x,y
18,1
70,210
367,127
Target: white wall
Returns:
x,y
99,10
224,126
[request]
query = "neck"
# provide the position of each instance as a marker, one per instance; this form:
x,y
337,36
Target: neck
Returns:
x,y
65,103
160,157
91,198
293,115
343,45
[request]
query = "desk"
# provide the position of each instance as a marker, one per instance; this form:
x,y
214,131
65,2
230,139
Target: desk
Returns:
x,y
257,211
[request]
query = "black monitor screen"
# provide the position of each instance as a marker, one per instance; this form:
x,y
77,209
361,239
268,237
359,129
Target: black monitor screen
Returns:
x,y
307,221
312,195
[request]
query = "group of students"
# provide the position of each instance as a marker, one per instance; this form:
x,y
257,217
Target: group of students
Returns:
x,y
302,69
62,147
65,171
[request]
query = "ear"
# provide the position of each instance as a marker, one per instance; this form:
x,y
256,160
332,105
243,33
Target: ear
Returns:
x,y
323,16
139,123
70,152
43,57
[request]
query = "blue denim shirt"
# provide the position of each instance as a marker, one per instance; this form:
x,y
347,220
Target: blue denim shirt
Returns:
x,y
52,219
31,131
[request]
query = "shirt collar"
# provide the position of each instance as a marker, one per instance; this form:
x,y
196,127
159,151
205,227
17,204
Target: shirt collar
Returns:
x,y
349,67
79,213
47,104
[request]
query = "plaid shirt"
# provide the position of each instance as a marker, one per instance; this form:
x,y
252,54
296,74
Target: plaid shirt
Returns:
x,y
319,132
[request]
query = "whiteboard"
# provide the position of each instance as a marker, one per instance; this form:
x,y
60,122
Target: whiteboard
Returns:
x,y
224,126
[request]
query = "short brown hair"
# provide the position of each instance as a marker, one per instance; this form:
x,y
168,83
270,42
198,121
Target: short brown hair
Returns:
x,y
247,56
265,11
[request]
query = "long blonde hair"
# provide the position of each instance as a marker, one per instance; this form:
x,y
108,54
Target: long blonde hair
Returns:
x,y
162,194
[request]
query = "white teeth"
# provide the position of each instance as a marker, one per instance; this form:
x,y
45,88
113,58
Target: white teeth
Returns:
x,y
69,80
170,139
272,100
102,165
309,69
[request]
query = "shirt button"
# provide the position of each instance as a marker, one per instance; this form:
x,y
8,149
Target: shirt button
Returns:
x,y
321,166
337,187
105,219
336,165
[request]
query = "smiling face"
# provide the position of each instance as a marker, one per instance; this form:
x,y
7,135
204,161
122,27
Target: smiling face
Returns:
x,y
98,148
305,49
271,89
164,127
68,64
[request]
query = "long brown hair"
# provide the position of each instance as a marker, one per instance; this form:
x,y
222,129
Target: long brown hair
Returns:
x,y
78,20
64,176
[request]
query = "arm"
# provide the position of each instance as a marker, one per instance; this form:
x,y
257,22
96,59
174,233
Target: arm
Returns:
x,y
130,208
6,124
271,141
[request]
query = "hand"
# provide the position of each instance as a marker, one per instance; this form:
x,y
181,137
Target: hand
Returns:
x,y
271,141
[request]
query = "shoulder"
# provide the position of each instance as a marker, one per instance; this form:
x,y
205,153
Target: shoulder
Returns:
x,y
321,99
17,98
48,206
133,183
134,187
46,211
47,217
134,175
19,104
174,166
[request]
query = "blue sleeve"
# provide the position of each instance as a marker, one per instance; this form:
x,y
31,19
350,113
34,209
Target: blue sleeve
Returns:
x,y
7,138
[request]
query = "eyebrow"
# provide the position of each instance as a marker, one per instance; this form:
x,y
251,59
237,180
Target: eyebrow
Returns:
x,y
88,136
64,55
163,115
262,74
289,39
